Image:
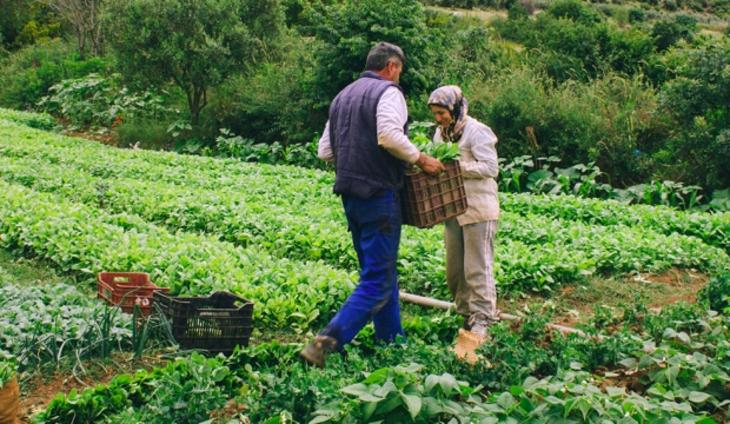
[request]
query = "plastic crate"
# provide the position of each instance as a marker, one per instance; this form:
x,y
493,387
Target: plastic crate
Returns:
x,y
127,289
430,200
212,323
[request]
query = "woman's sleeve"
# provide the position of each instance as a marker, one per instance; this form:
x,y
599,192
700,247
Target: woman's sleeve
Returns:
x,y
483,147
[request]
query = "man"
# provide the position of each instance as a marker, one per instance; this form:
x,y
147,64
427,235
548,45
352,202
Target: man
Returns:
x,y
366,138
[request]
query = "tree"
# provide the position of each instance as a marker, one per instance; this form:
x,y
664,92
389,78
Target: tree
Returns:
x,y
196,44
574,10
350,29
84,16
12,18
667,33
698,99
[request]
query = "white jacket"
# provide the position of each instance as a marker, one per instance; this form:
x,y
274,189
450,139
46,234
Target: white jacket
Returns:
x,y
479,166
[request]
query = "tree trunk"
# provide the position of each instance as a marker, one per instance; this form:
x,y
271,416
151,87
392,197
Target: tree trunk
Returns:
x,y
197,100
95,30
81,37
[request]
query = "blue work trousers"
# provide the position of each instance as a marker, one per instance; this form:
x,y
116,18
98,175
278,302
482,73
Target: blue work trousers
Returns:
x,y
375,224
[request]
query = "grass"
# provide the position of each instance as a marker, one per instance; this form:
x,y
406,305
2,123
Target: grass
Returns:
x,y
574,304
26,272
37,392
485,15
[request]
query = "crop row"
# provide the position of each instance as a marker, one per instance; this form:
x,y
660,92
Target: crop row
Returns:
x,y
292,184
85,240
713,228
566,250
665,367
282,234
43,325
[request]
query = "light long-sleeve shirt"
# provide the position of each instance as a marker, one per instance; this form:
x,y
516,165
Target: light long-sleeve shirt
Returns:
x,y
391,116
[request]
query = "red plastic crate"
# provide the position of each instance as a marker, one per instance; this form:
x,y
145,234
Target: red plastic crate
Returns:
x,y
429,200
127,289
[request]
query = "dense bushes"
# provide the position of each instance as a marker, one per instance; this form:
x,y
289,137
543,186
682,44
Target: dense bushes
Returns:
x,y
277,101
698,149
608,122
213,40
574,42
636,93
97,101
26,76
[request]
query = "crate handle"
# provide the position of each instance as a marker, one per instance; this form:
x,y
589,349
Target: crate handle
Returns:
x,y
120,279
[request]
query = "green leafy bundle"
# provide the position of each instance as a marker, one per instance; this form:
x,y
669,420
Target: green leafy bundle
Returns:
x,y
445,152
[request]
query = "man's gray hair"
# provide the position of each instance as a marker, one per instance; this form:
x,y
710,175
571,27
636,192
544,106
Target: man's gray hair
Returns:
x,y
381,54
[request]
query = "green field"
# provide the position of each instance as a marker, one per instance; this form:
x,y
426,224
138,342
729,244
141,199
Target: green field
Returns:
x,y
276,235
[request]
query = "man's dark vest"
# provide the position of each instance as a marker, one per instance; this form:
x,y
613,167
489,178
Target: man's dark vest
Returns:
x,y
363,169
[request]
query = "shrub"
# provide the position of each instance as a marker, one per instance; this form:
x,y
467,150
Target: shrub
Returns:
x,y
42,121
26,75
574,10
667,33
637,15
144,132
350,29
716,294
698,148
605,121
274,102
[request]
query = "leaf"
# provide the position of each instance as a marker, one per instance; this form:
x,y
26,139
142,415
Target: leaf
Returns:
x,y
629,363
413,404
552,400
505,400
615,391
698,397
431,382
448,383
378,376
219,374
363,392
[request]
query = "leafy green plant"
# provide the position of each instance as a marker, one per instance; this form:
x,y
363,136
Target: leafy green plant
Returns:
x,y
175,267
7,367
232,146
150,188
716,294
185,390
42,121
666,193
26,76
541,377
49,324
97,101
400,394
445,152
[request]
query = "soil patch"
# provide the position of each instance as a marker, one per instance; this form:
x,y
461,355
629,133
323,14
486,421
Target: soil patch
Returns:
x,y
38,391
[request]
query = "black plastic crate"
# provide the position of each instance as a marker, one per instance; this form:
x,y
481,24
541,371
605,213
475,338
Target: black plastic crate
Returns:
x,y
216,323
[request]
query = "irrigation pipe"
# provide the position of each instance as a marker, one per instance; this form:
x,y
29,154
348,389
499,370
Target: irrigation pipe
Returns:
x,y
440,304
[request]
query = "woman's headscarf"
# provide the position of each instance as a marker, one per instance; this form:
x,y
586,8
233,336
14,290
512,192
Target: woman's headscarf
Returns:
x,y
451,98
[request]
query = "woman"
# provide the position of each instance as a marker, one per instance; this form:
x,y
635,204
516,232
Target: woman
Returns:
x,y
470,236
